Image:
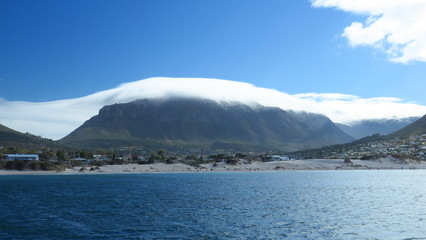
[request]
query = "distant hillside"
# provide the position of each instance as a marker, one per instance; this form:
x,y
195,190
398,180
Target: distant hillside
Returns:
x,y
12,138
374,145
416,128
369,127
204,125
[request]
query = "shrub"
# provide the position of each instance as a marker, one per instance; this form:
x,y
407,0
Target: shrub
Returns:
x,y
10,165
2,164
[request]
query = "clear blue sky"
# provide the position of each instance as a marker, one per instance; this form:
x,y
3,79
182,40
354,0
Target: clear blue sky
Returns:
x,y
52,49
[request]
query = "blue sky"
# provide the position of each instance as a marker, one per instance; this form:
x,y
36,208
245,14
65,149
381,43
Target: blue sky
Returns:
x,y
53,50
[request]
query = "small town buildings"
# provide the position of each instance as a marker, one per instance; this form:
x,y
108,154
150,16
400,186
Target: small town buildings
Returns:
x,y
279,158
100,158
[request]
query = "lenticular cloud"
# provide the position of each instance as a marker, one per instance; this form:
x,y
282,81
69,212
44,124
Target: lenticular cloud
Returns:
x,y
56,119
394,26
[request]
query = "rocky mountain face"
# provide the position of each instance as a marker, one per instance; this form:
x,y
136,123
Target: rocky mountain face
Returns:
x,y
366,128
206,125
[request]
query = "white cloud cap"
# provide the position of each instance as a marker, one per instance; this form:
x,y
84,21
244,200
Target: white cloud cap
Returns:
x,y
56,119
395,26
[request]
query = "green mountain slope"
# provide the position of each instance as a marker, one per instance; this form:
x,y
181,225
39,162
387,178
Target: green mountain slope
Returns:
x,y
12,138
199,123
416,128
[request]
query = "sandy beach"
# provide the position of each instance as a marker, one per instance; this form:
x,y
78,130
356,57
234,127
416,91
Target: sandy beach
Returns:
x,y
296,165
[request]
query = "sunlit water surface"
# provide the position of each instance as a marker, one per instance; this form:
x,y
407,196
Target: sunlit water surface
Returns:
x,y
268,205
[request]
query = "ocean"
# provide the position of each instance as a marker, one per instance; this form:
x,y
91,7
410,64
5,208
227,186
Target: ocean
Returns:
x,y
379,204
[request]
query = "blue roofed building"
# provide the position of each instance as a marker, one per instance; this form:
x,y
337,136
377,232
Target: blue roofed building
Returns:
x,y
24,157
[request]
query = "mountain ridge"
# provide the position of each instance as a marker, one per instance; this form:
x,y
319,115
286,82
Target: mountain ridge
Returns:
x,y
368,127
12,138
416,128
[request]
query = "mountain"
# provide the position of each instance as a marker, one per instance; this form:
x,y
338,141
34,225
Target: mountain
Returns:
x,y
416,128
12,138
364,128
204,125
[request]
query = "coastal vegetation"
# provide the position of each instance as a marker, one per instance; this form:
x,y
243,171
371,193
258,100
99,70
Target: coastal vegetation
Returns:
x,y
60,159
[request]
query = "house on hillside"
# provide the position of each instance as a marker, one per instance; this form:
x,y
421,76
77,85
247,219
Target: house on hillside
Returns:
x,y
24,157
100,158
279,158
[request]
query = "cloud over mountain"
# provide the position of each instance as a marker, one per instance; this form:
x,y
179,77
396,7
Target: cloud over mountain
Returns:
x,y
394,26
56,119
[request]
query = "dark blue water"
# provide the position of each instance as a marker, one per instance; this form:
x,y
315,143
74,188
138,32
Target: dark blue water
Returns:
x,y
276,205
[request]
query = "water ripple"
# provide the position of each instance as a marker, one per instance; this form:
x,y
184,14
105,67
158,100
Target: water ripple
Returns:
x,y
282,205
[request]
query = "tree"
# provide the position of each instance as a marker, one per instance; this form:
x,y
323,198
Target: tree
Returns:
x,y
61,155
161,153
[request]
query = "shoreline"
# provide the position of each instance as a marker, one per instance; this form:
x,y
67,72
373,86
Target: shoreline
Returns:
x,y
388,163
